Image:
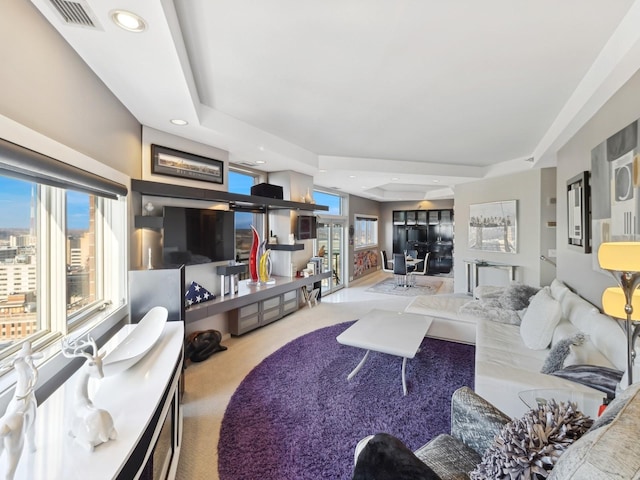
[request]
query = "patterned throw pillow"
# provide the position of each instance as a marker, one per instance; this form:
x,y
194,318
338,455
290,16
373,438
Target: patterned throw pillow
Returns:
x,y
197,294
559,352
601,378
527,448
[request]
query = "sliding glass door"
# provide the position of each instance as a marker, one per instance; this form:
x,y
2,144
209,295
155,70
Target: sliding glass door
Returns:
x,y
330,242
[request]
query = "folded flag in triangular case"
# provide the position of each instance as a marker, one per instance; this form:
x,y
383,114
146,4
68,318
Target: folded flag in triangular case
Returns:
x,y
197,294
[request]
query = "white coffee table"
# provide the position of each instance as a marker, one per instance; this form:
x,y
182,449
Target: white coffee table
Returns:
x,y
395,333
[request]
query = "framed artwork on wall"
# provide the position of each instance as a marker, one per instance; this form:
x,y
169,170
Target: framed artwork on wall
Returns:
x,y
578,210
615,189
167,161
493,226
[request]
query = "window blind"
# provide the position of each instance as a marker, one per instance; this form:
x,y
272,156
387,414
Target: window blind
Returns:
x,y
20,162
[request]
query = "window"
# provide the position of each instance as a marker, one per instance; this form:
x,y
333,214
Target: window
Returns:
x,y
333,201
241,182
63,255
366,231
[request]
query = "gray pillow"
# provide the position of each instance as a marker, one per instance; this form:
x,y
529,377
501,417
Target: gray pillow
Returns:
x,y
559,352
517,296
601,378
491,309
530,446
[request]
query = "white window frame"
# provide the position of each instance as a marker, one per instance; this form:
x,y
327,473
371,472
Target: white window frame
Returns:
x,y
52,260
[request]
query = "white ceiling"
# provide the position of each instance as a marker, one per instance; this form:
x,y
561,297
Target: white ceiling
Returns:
x,y
386,99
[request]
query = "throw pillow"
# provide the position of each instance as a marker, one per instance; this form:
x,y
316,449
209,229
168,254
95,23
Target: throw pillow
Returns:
x,y
559,353
601,378
491,310
196,293
517,296
586,354
529,447
540,320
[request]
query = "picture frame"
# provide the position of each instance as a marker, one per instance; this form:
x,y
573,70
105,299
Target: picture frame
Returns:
x,y
614,190
174,163
493,226
578,198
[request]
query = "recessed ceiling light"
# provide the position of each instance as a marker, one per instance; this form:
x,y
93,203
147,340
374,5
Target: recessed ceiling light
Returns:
x,y
436,181
352,176
261,148
260,162
179,121
322,170
395,179
128,21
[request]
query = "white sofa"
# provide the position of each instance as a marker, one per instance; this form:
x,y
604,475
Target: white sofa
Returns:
x,y
506,365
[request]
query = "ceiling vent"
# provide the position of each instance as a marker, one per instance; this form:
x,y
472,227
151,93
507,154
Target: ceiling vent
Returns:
x,y
76,13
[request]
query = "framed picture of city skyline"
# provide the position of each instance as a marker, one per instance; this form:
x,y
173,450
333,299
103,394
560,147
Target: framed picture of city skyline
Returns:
x,y
493,226
167,161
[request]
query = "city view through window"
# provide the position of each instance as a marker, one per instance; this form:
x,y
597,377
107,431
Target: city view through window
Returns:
x,y
19,270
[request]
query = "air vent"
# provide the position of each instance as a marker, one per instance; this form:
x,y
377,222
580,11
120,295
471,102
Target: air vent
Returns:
x,y
75,13
246,164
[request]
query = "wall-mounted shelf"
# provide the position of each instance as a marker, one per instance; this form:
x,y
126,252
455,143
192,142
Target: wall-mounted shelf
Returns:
x,y
148,221
235,200
231,269
286,247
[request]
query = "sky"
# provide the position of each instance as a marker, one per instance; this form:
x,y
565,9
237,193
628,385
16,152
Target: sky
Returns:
x,y
15,201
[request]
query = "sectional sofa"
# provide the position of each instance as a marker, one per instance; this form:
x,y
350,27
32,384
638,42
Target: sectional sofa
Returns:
x,y
509,357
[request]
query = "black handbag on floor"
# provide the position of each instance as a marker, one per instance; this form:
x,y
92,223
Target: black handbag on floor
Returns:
x,y
201,345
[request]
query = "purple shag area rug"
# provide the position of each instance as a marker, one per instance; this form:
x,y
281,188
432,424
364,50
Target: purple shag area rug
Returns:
x,y
296,417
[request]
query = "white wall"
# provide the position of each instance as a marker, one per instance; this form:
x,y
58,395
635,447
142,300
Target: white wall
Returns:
x,y
525,187
574,267
47,87
548,217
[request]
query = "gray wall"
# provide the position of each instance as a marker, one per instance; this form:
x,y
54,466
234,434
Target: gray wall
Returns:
x,y
575,268
526,187
47,87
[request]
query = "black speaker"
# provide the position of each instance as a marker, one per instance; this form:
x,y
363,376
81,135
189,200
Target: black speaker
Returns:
x,y
267,190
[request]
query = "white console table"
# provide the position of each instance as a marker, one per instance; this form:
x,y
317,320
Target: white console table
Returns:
x,y
144,402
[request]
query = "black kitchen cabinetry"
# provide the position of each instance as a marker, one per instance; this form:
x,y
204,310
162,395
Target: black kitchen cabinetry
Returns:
x,y
425,231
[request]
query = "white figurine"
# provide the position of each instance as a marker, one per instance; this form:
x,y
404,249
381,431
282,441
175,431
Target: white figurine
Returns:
x,y
19,419
91,426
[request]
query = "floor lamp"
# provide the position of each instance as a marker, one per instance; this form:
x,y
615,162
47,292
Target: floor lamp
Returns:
x,y
622,260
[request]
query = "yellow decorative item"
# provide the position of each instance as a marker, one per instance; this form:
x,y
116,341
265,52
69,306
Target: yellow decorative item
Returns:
x,y
622,260
264,270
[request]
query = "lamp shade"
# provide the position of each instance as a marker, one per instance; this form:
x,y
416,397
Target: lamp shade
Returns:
x,y
620,256
613,303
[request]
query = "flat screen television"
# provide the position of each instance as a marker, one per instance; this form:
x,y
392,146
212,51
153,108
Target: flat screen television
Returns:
x,y
194,235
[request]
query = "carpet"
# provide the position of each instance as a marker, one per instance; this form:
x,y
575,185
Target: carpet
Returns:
x,y
424,286
296,417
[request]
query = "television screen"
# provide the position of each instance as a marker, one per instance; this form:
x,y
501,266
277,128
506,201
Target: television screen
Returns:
x,y
194,235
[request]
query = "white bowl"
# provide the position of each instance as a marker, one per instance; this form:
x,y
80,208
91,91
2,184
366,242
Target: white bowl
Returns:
x,y
137,343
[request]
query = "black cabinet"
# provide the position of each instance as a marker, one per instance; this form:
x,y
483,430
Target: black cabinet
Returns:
x,y
426,231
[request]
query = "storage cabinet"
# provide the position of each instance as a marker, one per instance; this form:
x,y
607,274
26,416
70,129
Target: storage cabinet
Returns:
x,y
258,314
426,231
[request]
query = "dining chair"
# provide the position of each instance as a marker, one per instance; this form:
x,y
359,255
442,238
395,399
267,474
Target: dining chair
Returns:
x,y
416,272
385,262
400,269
